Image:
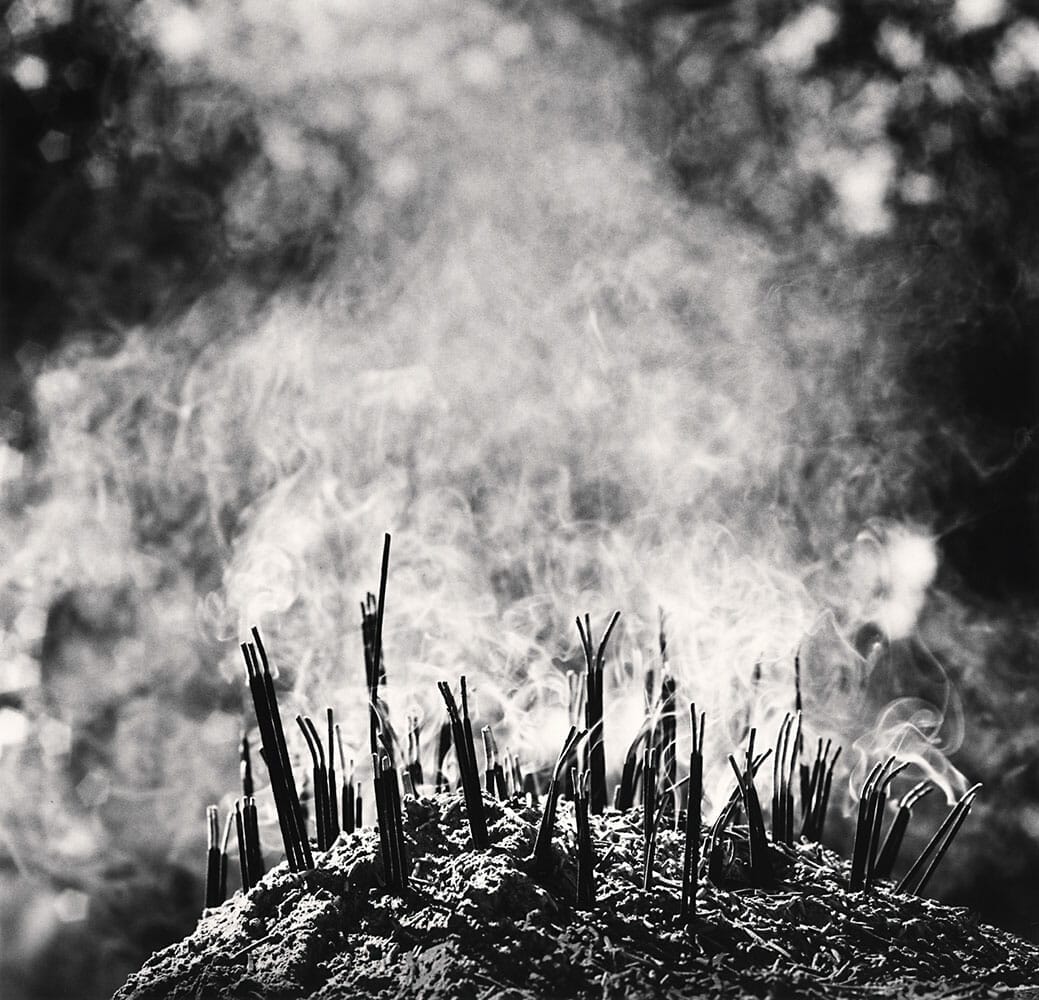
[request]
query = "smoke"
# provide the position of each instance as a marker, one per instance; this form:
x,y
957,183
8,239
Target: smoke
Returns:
x,y
562,387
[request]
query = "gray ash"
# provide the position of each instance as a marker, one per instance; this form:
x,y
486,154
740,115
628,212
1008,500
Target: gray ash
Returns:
x,y
477,924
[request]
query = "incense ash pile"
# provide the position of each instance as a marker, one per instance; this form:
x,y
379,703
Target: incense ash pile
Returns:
x,y
477,924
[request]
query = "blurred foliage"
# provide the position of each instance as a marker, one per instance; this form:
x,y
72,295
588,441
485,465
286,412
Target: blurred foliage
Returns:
x,y
130,187
892,147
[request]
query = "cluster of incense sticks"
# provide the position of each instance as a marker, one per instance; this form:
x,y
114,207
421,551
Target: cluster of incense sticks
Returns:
x,y
896,834
350,791
275,754
541,858
326,791
581,785
915,880
250,858
761,873
391,824
465,752
372,613
872,799
593,720
815,791
800,784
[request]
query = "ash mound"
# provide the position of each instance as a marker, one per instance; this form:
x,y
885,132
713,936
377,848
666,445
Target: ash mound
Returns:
x,y
478,924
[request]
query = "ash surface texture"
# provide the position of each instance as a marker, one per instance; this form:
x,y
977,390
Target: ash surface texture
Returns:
x,y
477,925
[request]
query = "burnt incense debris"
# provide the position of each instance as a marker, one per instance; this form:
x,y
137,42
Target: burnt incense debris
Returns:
x,y
654,804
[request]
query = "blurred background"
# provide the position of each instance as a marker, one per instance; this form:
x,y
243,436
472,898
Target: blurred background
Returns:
x,y
726,308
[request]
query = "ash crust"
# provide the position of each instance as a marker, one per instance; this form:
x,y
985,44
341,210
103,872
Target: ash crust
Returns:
x,y
478,925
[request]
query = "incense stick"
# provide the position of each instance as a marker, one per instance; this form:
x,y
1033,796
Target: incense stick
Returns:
x,y
461,730
936,848
693,819
214,897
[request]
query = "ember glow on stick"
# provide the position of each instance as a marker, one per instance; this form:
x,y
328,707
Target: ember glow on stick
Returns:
x,y
214,897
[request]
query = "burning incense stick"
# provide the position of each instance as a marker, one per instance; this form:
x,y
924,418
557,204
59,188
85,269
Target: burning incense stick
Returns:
x,y
443,745
254,854
864,826
414,762
541,857
693,818
650,762
880,796
935,850
243,849
225,840
333,788
317,754
495,773
461,730
391,832
275,755
761,872
214,897
593,719
245,766
624,794
889,853
585,851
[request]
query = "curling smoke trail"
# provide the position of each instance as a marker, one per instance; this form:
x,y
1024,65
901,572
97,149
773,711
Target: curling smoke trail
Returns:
x,y
560,386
